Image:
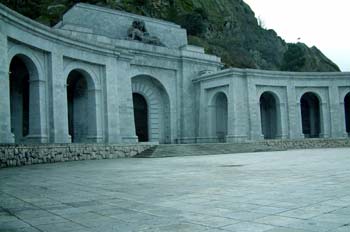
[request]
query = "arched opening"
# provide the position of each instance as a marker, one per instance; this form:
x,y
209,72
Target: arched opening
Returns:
x,y
79,109
19,98
269,115
151,109
141,117
310,114
221,117
347,112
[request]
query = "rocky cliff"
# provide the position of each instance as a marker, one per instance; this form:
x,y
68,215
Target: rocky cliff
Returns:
x,y
226,28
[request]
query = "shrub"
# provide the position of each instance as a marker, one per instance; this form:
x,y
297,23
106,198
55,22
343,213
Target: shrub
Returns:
x,y
194,22
294,58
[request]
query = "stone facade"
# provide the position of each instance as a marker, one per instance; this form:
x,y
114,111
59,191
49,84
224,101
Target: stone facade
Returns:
x,y
86,81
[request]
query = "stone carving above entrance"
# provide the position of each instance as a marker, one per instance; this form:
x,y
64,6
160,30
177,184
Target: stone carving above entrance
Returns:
x,y
138,32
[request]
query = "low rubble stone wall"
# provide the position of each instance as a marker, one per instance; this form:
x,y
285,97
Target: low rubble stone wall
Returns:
x,y
19,155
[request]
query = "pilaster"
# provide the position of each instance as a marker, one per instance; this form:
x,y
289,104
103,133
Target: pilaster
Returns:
x,y
254,112
336,113
58,98
5,112
294,113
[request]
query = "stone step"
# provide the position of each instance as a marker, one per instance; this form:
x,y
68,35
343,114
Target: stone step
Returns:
x,y
172,150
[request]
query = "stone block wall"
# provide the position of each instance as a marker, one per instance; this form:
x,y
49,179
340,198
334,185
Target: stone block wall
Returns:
x,y
291,144
19,155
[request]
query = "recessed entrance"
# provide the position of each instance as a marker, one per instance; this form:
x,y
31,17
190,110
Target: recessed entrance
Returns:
x,y
347,112
151,110
78,116
220,116
310,113
269,115
141,117
19,98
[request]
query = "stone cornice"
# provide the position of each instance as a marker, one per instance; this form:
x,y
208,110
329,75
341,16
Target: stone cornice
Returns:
x,y
11,17
272,74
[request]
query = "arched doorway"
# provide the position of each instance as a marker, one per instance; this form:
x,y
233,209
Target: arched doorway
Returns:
x,y
141,117
149,95
19,98
81,107
269,115
310,114
347,112
220,117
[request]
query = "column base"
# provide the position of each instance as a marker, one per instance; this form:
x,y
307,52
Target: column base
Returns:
x,y
7,138
236,138
130,139
94,139
36,139
63,139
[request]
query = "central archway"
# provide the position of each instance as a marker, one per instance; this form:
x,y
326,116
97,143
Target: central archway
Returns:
x,y
141,117
151,109
269,115
310,114
347,112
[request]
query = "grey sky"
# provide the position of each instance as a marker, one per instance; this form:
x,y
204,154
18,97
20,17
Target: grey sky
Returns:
x,y
322,23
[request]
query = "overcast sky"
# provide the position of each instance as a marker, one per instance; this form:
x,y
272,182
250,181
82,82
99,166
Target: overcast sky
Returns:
x,y
323,23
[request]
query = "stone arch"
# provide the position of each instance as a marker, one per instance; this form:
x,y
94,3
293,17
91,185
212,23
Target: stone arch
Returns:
x,y
83,105
347,112
31,60
87,71
219,116
27,99
270,115
310,106
158,108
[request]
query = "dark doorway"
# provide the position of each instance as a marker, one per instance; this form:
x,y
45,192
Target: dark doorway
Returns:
x,y
78,113
221,116
19,98
269,116
347,112
310,113
141,117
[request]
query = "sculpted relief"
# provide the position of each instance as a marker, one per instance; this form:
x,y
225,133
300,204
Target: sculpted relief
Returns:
x,y
138,32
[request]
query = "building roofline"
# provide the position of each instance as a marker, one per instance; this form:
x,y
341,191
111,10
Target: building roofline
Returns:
x,y
271,73
124,13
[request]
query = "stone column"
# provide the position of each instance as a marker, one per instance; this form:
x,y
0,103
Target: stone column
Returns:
x,y
230,114
337,115
120,125
58,101
211,110
325,120
204,122
5,112
254,113
282,118
294,113
95,122
126,107
342,120
238,111
37,112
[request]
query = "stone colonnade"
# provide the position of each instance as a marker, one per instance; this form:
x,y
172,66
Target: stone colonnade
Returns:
x,y
273,105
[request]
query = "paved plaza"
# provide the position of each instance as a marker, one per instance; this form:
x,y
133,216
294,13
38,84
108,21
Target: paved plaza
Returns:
x,y
300,190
